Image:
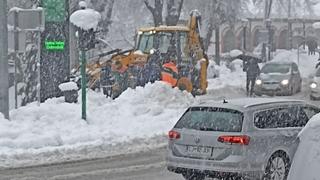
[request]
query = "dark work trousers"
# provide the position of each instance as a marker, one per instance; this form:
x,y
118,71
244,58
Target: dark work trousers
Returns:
x,y
251,80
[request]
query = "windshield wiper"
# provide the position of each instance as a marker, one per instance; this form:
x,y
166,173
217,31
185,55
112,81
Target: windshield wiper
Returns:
x,y
207,129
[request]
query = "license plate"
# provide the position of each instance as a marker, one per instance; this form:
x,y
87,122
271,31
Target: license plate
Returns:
x,y
199,150
270,87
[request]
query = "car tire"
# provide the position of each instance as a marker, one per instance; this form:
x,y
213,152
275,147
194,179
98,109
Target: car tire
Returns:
x,y
281,171
193,176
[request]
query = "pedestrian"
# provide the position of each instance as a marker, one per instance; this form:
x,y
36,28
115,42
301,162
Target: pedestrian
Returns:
x,y
252,70
107,79
169,73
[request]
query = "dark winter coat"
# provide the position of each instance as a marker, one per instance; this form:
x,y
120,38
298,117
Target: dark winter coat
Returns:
x,y
251,68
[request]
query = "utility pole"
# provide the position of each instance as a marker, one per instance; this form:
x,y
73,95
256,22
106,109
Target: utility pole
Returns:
x,y
4,80
289,25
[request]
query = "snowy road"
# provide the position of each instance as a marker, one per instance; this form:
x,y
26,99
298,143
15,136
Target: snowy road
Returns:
x,y
141,166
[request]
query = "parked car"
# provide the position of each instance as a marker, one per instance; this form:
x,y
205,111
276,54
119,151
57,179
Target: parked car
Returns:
x,y
315,86
250,138
278,78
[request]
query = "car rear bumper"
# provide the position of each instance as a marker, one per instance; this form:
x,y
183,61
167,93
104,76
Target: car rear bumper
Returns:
x,y
234,166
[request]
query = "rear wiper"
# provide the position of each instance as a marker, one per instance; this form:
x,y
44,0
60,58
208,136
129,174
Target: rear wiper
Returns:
x,y
206,129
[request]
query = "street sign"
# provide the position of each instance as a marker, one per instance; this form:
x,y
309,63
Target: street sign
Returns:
x,y
21,42
55,10
27,19
54,45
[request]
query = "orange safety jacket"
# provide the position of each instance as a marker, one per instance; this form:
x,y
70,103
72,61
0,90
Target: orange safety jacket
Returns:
x,y
169,73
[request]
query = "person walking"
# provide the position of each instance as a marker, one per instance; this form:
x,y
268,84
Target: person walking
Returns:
x,y
252,70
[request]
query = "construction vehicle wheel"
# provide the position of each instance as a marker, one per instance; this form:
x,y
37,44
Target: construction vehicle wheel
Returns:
x,y
184,84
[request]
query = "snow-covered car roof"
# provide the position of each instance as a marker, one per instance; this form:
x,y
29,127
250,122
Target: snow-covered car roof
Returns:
x,y
243,103
165,28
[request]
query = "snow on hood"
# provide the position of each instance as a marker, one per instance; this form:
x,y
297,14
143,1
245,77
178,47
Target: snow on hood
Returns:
x,y
85,19
306,161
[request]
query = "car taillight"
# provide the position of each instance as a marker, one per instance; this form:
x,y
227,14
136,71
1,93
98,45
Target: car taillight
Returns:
x,y
243,140
173,135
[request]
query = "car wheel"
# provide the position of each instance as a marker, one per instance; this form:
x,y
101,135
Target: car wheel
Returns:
x,y
194,176
277,167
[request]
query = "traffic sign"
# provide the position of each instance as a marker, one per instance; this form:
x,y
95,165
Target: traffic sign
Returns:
x,y
27,19
54,45
55,10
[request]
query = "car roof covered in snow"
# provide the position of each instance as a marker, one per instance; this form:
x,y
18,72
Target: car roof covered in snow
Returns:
x,y
242,104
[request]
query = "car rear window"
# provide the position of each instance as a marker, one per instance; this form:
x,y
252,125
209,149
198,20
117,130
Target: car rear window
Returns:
x,y
211,119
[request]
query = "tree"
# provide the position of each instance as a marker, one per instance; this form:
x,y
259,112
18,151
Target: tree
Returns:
x,y
287,8
222,11
173,13
156,11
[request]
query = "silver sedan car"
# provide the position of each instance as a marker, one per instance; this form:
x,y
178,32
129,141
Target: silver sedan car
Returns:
x,y
251,138
278,78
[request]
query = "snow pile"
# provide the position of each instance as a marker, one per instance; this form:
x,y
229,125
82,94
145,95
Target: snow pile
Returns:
x,y
306,161
57,127
227,78
85,19
68,86
235,53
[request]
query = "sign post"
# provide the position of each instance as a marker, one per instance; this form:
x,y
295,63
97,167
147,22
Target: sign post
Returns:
x,y
86,20
23,20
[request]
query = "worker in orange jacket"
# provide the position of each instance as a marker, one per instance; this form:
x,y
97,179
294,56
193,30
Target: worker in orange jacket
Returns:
x,y
169,73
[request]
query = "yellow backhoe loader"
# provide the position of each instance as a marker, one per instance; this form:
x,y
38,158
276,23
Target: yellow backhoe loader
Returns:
x,y
154,46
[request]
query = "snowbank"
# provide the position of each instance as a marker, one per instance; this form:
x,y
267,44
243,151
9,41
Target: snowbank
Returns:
x,y
235,79
57,127
306,161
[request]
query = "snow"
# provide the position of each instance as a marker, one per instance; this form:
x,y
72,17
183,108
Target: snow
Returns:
x,y
316,25
140,118
305,63
68,86
56,126
235,53
306,161
85,19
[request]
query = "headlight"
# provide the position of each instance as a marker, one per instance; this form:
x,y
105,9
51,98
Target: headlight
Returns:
x,y
152,51
285,82
313,85
140,32
258,82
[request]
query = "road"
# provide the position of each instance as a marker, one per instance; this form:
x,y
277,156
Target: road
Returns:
x,y
148,165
